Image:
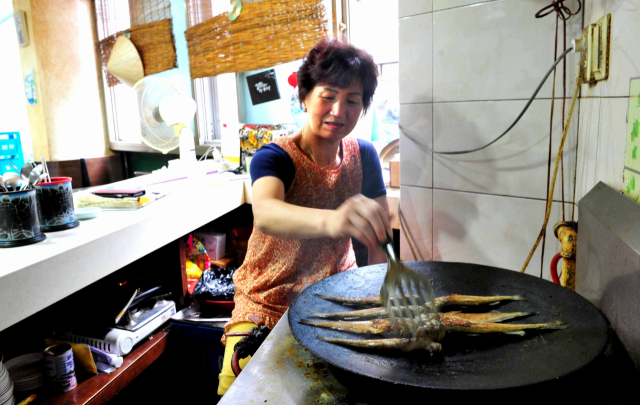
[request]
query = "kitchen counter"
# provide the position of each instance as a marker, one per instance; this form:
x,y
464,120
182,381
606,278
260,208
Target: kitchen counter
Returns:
x,y
283,372
34,277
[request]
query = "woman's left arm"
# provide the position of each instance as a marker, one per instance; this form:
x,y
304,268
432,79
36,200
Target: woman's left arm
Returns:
x,y
377,256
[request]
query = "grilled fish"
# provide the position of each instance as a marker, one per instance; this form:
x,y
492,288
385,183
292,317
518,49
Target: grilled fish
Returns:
x,y
394,343
381,326
453,299
507,328
379,312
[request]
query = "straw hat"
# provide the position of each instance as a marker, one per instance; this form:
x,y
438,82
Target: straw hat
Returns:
x,y
125,62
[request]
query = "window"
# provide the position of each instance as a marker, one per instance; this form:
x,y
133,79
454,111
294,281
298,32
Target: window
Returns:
x,y
206,89
13,105
373,26
120,100
113,16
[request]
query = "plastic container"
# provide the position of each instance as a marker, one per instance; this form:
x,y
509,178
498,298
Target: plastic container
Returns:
x,y
197,349
55,201
226,306
19,222
214,242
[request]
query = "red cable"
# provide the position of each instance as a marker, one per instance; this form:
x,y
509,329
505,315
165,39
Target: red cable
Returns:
x,y
554,268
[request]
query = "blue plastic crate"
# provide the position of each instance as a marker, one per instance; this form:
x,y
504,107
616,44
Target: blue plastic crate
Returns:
x,y
10,152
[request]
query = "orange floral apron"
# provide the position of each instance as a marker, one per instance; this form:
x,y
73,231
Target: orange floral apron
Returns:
x,y
275,270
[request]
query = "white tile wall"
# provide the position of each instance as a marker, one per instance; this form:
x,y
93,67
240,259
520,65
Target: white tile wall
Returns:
x,y
416,64
587,146
417,218
408,8
603,111
516,165
495,51
593,10
625,46
465,69
416,120
612,141
446,4
491,230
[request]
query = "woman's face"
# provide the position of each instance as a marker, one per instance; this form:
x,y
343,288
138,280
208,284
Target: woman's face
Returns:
x,y
334,111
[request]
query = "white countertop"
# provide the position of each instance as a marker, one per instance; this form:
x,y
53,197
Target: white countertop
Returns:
x,y
36,276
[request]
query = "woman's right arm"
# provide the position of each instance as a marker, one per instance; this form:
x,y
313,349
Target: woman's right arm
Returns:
x,y
358,217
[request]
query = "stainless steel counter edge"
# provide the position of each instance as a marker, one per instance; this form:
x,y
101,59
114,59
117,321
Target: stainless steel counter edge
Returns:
x,y
283,372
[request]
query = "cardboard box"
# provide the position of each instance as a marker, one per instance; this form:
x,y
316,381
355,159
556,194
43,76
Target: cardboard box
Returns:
x,y
214,242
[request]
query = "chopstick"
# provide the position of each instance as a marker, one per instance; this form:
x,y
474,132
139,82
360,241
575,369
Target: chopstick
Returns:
x,y
46,169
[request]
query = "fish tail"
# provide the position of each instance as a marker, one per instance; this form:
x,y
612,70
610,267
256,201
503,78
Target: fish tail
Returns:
x,y
308,322
394,343
352,301
318,314
555,325
518,297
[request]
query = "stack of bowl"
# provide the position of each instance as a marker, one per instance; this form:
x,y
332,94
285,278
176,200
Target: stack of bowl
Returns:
x,y
27,372
6,386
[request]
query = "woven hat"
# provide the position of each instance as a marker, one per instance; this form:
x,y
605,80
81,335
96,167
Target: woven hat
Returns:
x,y
125,62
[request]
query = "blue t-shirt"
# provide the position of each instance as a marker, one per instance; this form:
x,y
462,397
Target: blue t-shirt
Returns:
x,y
272,160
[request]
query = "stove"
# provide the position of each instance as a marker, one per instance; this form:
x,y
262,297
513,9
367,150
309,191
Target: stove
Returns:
x,y
120,340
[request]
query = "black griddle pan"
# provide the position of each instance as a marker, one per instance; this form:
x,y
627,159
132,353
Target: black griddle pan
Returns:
x,y
467,362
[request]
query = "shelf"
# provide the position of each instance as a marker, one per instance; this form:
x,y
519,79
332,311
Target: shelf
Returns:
x,y
101,388
81,256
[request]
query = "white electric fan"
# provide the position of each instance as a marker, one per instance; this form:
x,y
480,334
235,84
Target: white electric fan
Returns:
x,y
164,117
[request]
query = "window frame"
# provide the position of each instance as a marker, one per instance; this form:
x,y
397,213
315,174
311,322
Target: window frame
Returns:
x,y
207,117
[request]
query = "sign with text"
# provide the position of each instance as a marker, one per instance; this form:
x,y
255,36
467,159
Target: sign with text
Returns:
x,y
263,87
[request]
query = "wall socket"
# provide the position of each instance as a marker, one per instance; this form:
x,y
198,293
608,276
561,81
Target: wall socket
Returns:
x,y
596,42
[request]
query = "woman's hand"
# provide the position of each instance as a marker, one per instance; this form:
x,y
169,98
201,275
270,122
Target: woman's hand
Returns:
x,y
361,218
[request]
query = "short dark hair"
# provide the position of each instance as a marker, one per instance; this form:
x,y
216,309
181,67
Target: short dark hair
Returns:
x,y
339,64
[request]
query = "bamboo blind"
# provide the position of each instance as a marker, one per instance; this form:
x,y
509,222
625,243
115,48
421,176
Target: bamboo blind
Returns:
x,y
199,11
265,34
146,22
145,11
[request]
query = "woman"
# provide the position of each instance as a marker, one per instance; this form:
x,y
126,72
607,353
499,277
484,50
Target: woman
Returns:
x,y
312,192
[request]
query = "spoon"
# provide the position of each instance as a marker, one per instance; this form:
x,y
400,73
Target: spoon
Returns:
x,y
12,180
35,175
26,170
40,178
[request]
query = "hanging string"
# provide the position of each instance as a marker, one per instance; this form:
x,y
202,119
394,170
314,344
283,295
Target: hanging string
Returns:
x,y
553,98
562,12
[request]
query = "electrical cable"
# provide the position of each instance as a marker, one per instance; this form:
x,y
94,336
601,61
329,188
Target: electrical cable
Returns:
x,y
562,12
553,99
535,93
555,169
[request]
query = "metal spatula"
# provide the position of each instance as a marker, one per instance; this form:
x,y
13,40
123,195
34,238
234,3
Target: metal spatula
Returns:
x,y
414,299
